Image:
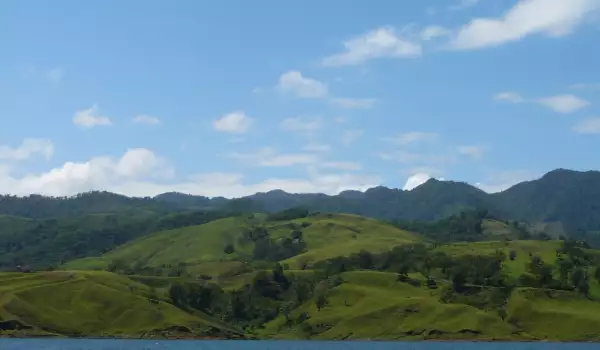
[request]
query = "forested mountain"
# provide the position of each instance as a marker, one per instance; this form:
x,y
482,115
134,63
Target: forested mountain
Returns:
x,y
571,198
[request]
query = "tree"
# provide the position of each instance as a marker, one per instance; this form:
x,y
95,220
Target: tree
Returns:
x,y
458,281
229,249
321,295
365,260
178,294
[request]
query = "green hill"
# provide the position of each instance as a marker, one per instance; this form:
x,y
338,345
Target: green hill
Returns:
x,y
93,304
201,249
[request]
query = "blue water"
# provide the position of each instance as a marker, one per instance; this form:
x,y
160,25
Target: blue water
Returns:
x,y
76,344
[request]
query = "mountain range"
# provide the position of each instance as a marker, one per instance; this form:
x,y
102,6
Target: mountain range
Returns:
x,y
563,197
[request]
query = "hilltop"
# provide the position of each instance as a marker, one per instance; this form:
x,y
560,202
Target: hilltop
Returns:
x,y
230,245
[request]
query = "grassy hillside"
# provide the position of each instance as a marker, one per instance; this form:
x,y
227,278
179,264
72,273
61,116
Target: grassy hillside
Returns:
x,y
373,305
93,303
201,249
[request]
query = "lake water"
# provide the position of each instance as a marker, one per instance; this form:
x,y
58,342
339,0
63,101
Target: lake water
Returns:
x,y
79,344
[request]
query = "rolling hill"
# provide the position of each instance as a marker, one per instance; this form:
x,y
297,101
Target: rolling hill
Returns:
x,y
201,249
94,304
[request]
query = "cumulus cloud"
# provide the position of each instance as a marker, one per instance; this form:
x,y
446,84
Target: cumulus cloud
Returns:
x,y
235,122
553,18
432,32
588,126
28,148
508,96
415,181
379,43
96,173
563,103
300,86
412,137
146,119
89,118
140,172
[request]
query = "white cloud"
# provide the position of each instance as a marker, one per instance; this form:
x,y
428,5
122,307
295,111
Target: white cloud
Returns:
x,y
28,148
379,43
349,136
503,180
342,165
139,172
432,32
97,173
268,157
89,118
508,96
295,83
415,181
235,122
413,137
146,119
528,17
55,75
475,152
301,124
316,147
563,103
588,126
353,103
585,86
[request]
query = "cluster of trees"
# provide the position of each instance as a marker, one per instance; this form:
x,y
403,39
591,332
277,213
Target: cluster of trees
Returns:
x,y
573,270
47,243
479,270
465,226
271,293
267,248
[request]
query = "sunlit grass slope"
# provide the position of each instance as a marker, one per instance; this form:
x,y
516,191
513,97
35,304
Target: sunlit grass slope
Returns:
x,y
373,305
555,315
201,248
92,304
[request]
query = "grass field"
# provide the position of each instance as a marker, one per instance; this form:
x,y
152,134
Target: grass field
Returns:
x,y
201,248
372,305
92,303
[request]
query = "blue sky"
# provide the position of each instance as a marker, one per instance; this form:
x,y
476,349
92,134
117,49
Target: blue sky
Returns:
x,y
234,97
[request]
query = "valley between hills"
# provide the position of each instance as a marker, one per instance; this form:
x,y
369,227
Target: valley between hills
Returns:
x,y
442,261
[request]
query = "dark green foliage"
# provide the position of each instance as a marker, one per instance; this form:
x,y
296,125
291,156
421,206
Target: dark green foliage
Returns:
x,y
466,226
229,249
44,242
289,214
268,249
